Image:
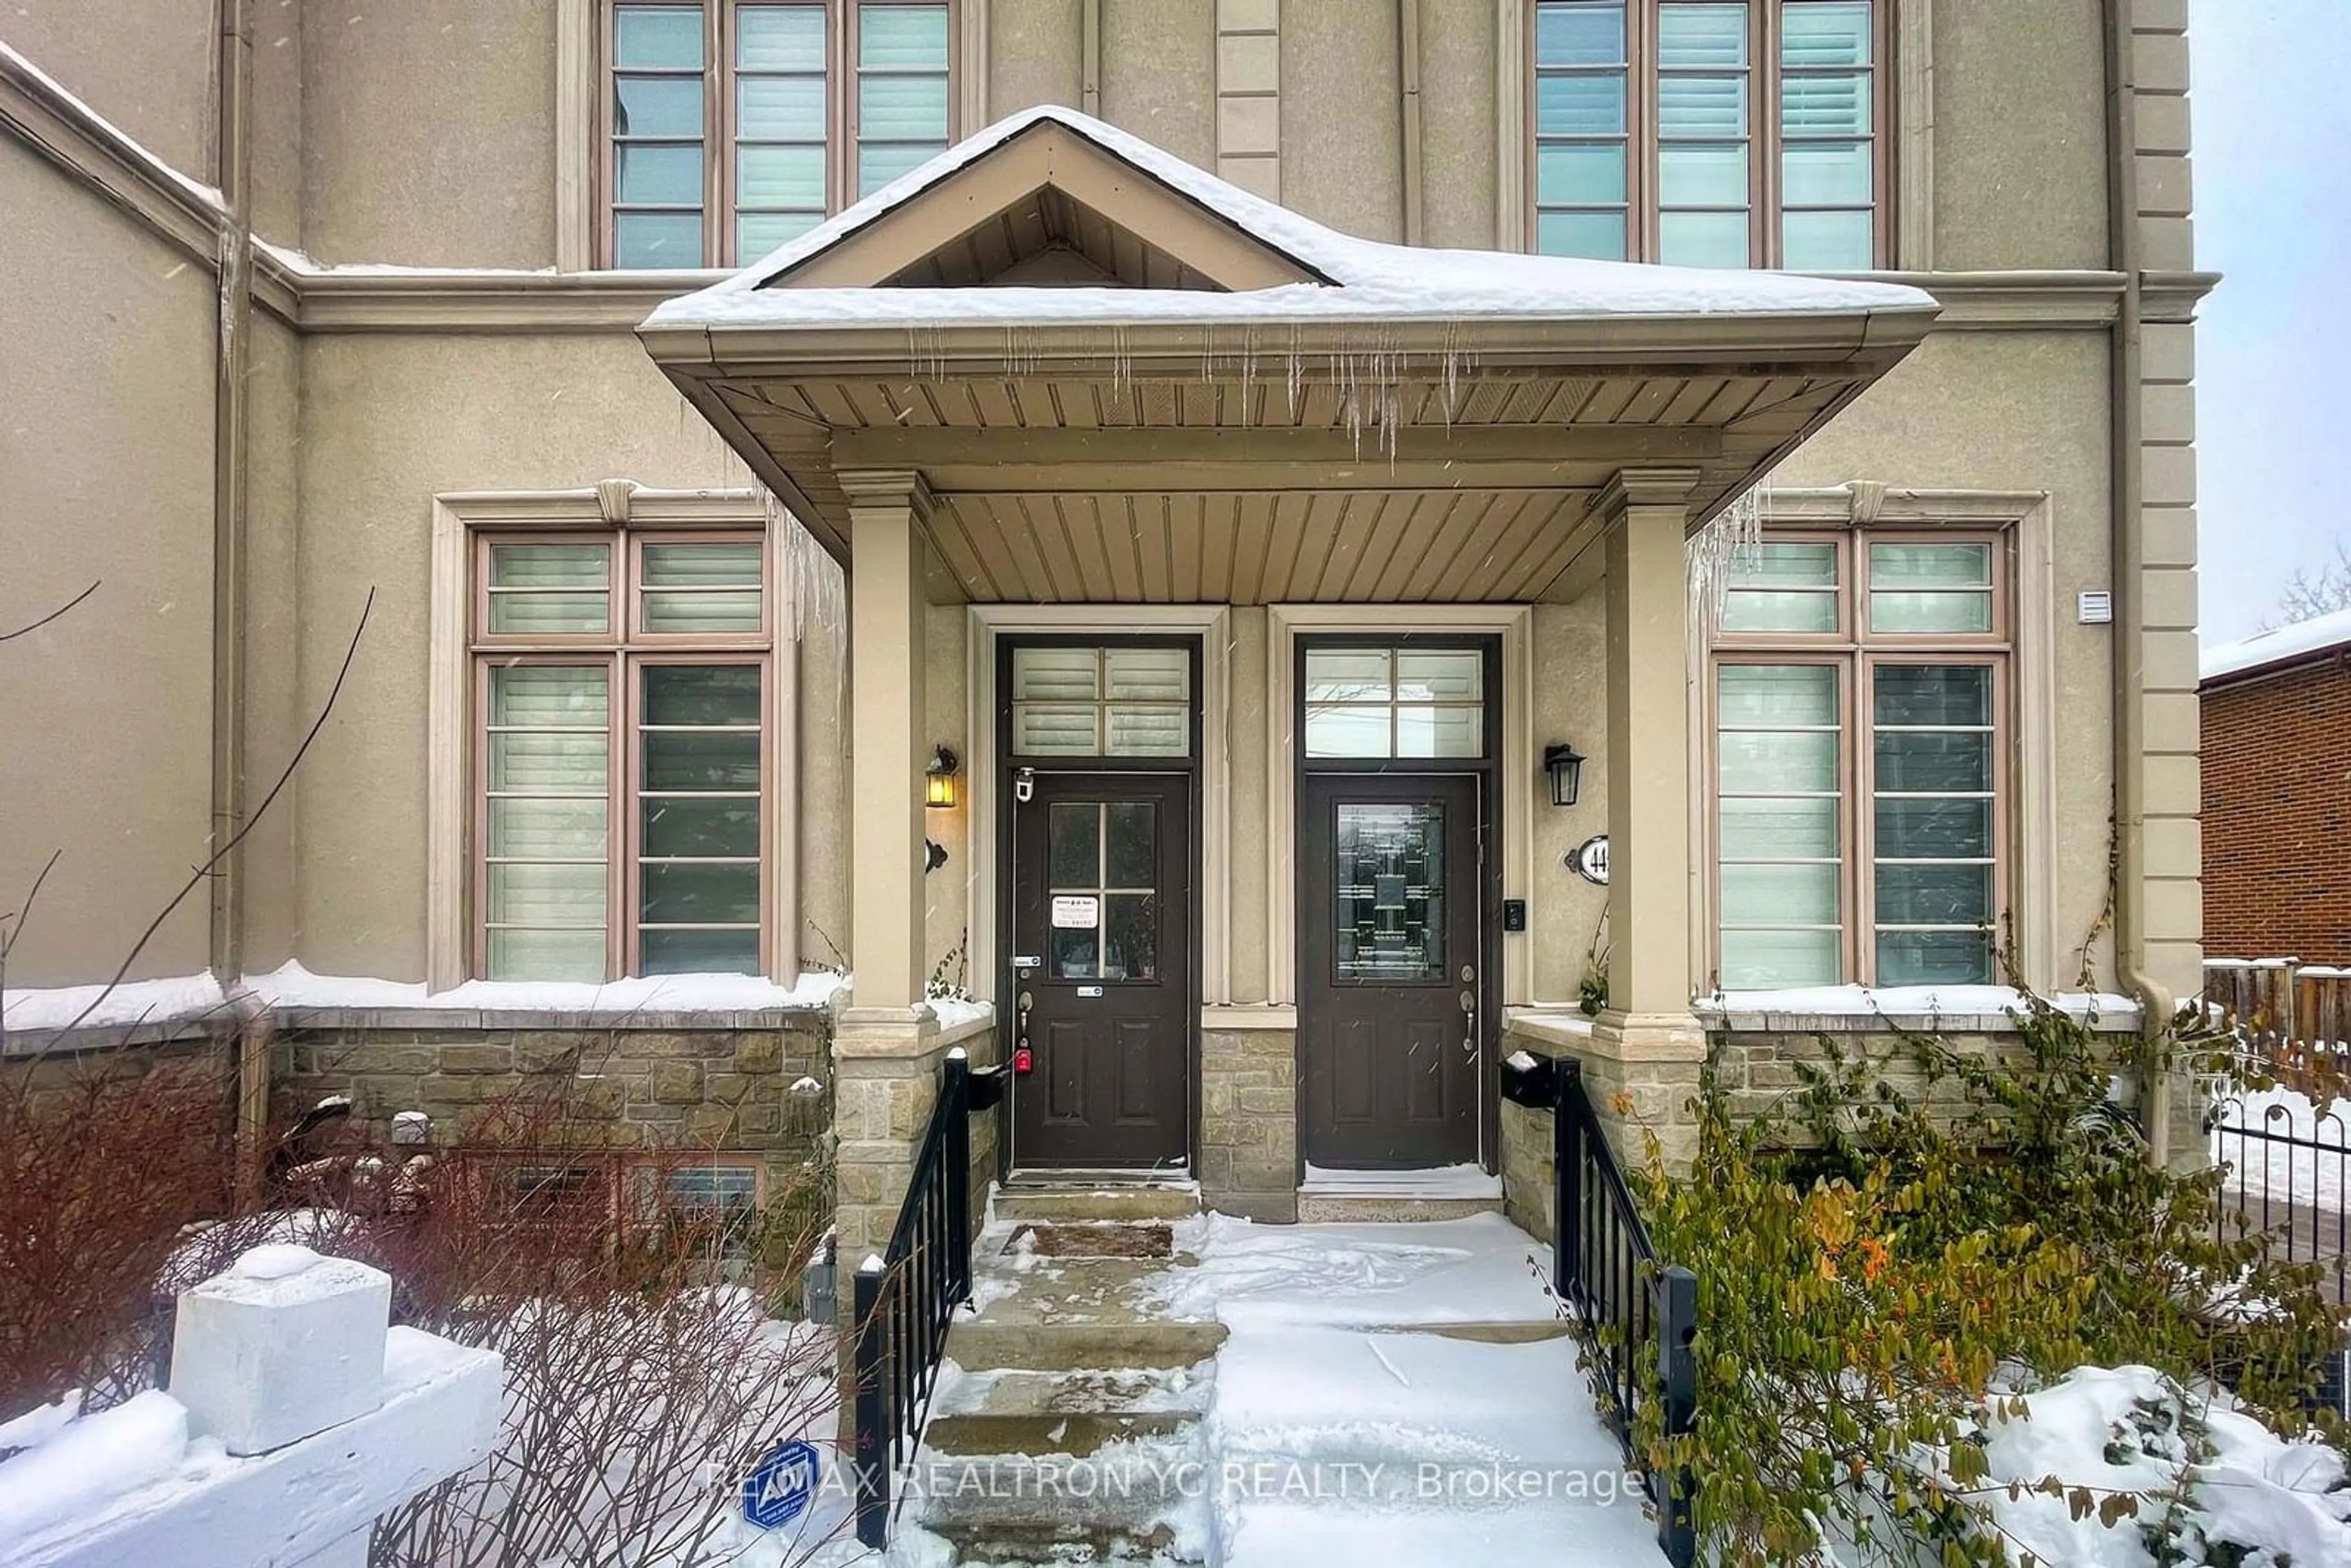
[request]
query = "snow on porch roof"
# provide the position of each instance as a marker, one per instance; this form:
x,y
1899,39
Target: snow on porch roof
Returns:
x,y
1370,280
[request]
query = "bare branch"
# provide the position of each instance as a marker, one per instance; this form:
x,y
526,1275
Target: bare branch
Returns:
x,y
15,929
204,871
53,614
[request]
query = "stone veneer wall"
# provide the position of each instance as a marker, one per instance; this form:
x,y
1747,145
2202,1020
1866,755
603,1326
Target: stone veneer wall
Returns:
x,y
1756,1069
1248,1122
645,1083
882,1108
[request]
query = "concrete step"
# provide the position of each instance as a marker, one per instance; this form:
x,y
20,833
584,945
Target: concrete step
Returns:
x,y
1362,1209
1061,1202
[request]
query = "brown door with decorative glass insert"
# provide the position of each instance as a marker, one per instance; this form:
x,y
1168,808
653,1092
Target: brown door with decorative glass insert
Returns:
x,y
1390,974
1102,921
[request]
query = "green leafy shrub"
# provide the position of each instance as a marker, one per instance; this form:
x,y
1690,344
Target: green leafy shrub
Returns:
x,y
1879,1272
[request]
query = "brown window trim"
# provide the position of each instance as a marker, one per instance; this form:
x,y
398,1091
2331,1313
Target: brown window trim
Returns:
x,y
622,649
1857,653
719,116
1764,140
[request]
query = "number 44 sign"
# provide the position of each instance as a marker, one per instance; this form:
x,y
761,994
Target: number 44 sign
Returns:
x,y
778,1488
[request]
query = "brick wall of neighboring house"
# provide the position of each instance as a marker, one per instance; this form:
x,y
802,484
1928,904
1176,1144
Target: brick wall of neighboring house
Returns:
x,y
2277,815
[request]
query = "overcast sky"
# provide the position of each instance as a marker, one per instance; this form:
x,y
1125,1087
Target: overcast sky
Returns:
x,y
2274,375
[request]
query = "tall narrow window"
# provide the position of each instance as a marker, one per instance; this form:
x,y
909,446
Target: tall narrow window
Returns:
x,y
1709,133
1858,696
736,126
622,683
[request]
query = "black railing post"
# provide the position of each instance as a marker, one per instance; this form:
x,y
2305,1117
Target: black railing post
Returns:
x,y
873,1444
955,1104
1567,1184
1678,1379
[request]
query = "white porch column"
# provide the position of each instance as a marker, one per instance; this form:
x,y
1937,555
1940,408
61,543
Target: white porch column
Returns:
x,y
888,737
1647,1044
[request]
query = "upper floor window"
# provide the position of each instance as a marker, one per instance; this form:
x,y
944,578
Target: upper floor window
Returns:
x,y
1859,696
1711,133
734,126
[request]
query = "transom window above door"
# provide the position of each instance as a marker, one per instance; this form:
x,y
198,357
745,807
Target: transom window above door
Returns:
x,y
731,127
1710,132
1366,703
1075,700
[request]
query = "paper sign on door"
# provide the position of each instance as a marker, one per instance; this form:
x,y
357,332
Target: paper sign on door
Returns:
x,y
1076,911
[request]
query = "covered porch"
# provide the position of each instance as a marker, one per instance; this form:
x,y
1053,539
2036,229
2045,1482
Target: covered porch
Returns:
x,y
1242,534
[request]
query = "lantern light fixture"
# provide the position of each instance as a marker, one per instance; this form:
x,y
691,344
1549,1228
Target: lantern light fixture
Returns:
x,y
939,780
1566,766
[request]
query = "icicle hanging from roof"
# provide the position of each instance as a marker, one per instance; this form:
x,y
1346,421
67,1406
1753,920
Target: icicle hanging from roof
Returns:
x,y
1731,540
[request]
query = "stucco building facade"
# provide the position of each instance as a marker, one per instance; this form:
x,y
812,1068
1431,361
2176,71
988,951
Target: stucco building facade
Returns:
x,y
1248,651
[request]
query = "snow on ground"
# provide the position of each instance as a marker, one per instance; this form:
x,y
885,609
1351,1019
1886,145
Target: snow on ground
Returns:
x,y
1479,1270
1342,1434
2251,1497
2285,1172
1372,279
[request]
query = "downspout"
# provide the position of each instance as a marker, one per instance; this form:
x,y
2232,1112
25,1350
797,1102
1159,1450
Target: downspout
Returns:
x,y
1409,80
2156,1004
233,362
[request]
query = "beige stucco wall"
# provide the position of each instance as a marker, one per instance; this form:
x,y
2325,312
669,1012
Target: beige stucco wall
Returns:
x,y
1035,54
1250,806
274,719
1570,704
2021,141
946,914
1341,114
428,132
388,423
1458,126
1159,73
147,68
2017,412
106,476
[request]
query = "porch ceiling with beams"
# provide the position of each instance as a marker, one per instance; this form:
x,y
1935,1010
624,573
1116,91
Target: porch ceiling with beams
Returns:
x,y
1124,381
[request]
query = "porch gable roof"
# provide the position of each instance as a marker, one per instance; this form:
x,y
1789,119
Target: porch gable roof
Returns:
x,y
1077,340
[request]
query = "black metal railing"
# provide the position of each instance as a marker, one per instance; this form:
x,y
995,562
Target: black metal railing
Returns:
x,y
2290,1183
1637,1318
905,1296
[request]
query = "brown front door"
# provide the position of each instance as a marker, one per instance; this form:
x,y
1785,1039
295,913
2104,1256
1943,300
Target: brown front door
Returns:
x,y
1389,972
1101,922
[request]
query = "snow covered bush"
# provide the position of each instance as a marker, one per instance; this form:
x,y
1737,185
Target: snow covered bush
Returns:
x,y
106,1159
630,1300
1880,1277
645,1377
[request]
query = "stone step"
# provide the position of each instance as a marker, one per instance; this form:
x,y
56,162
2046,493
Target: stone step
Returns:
x,y
1029,1347
1072,1413
1062,1202
1127,1500
1354,1209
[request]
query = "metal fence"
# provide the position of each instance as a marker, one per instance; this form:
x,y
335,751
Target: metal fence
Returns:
x,y
2288,1150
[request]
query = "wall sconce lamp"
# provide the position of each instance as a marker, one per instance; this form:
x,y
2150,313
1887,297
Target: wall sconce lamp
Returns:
x,y
939,780
1566,770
